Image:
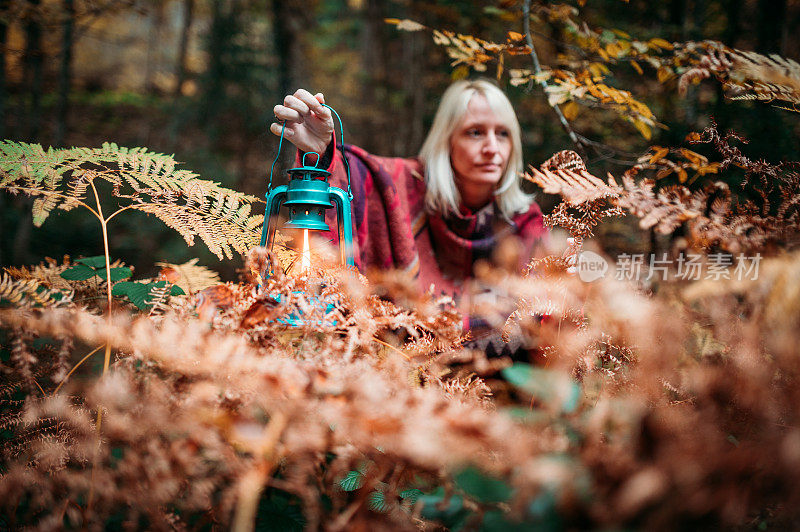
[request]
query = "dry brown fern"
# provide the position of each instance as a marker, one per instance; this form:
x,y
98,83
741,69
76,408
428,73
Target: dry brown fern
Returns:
x,y
745,75
47,273
587,201
29,292
665,209
713,215
189,276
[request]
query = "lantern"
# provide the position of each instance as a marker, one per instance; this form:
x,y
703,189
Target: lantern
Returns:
x,y
307,196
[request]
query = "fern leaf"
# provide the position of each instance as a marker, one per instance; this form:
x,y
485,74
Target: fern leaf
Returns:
x,y
745,75
189,276
28,292
142,180
42,208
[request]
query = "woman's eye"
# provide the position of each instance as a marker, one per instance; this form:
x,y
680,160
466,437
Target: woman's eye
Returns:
x,y
473,133
503,133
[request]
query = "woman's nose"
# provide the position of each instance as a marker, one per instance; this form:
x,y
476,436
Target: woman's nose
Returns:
x,y
491,145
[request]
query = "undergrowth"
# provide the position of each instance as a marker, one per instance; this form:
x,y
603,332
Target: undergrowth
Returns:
x,y
656,405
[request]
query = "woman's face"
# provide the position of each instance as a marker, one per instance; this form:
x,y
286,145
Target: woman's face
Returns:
x,y
480,147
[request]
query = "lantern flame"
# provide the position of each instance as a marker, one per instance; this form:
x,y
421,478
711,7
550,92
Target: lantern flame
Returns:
x,y
305,259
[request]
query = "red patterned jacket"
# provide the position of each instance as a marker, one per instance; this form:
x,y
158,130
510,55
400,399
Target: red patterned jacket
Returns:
x,y
393,229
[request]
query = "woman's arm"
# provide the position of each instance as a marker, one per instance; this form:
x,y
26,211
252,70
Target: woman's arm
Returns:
x,y
309,124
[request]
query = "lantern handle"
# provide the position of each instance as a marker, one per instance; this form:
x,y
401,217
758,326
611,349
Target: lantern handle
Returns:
x,y
306,154
344,157
275,160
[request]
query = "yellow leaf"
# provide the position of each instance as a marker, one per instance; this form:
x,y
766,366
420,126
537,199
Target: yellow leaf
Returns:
x,y
637,68
570,110
440,38
603,54
597,74
460,72
621,33
661,43
694,136
712,168
663,74
693,157
594,91
405,24
514,36
682,175
613,49
659,154
643,128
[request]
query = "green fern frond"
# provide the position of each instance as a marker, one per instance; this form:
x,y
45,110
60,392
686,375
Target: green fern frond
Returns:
x,y
142,180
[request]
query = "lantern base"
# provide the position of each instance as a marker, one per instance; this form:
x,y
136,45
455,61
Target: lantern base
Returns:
x,y
295,317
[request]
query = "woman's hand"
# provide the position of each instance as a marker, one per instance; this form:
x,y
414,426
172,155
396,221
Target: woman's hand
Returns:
x,y
309,124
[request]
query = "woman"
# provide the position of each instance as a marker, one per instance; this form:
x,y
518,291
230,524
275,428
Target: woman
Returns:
x,y
436,215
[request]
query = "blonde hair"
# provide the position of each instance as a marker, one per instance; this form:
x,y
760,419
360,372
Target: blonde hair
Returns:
x,y
442,193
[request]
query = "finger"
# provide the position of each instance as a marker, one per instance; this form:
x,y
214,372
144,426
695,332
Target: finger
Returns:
x,y
287,114
277,128
324,113
312,102
297,104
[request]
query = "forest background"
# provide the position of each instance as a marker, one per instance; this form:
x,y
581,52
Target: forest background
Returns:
x,y
199,79
653,405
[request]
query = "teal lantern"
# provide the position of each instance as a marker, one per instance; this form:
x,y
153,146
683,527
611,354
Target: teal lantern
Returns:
x,y
307,197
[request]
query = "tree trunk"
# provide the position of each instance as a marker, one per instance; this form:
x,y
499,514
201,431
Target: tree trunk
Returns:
x,y
283,45
374,88
153,46
770,33
289,24
3,95
678,18
733,10
33,71
65,77
733,30
771,26
290,21
183,46
215,82
410,141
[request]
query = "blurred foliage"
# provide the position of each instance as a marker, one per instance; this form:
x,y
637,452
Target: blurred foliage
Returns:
x,y
243,55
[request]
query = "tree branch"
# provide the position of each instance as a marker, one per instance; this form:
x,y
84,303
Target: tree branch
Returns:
x,y
537,69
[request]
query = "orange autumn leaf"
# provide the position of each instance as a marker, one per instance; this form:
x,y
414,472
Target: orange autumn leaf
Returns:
x,y
169,274
212,298
659,153
570,110
260,312
693,157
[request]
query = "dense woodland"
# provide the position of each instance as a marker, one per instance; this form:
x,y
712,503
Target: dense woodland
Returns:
x,y
148,381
